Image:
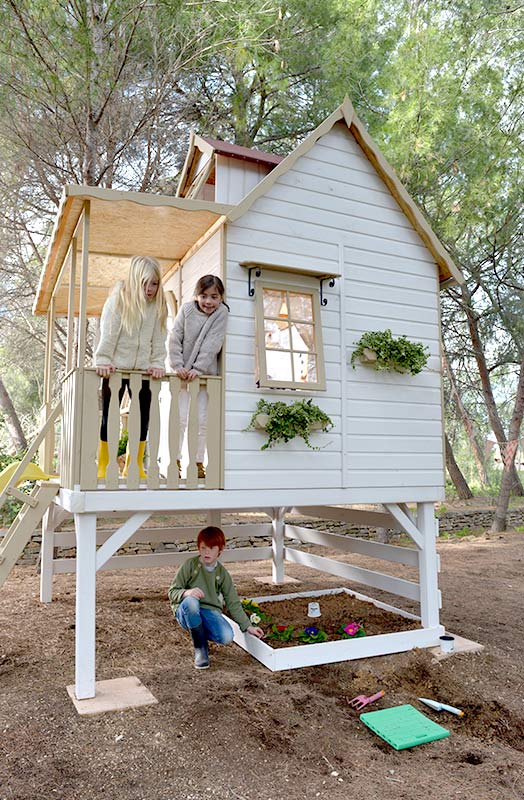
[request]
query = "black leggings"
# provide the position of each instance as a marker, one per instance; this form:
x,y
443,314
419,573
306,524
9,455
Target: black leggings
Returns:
x,y
144,400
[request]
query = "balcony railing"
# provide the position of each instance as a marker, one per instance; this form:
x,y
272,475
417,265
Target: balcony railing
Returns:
x,y
81,429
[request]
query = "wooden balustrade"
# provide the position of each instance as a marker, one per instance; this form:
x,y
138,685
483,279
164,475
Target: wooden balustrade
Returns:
x,y
81,429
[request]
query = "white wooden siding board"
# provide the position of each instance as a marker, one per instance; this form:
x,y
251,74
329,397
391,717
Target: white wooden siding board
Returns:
x,y
284,257
393,444
386,410
392,269
241,382
356,323
312,221
241,441
393,394
418,268
362,478
318,187
245,403
357,274
283,460
206,260
343,175
309,478
382,309
347,159
307,169
250,233
410,296
393,381
393,462
334,211
365,426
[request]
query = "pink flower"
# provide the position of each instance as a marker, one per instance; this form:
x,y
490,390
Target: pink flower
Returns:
x,y
352,628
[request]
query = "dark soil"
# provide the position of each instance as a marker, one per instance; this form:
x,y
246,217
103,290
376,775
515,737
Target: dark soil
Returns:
x,y
336,611
238,731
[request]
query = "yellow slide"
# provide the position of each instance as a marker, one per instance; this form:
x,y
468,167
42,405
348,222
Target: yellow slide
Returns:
x,y
32,472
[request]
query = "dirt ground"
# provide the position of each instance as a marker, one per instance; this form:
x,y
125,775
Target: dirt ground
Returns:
x,y
238,731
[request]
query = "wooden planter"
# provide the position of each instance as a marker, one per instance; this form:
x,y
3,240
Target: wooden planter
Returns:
x,y
307,655
261,421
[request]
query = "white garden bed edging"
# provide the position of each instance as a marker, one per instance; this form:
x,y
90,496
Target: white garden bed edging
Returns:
x,y
308,655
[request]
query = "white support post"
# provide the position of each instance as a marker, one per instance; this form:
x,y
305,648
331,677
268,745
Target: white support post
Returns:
x,y
214,517
277,546
428,566
85,527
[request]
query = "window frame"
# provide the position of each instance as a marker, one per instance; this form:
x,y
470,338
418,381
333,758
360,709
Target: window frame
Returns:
x,y
301,286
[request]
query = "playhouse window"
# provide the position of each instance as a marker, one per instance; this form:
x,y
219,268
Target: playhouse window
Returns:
x,y
289,342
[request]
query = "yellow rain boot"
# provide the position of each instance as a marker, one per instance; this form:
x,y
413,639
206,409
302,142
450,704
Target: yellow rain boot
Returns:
x,y
103,460
139,461
201,472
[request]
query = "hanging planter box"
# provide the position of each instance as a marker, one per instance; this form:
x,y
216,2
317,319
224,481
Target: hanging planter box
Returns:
x,y
261,421
330,652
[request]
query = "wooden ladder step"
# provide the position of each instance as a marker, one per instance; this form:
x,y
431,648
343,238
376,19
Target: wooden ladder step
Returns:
x,y
13,544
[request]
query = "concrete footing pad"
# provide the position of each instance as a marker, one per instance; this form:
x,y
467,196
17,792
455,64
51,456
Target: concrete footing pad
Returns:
x,y
114,695
461,646
270,581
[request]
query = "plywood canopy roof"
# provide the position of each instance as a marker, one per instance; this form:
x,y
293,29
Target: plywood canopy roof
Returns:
x,y
122,224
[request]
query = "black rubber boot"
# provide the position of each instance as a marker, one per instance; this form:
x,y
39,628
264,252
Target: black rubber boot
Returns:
x,y
200,643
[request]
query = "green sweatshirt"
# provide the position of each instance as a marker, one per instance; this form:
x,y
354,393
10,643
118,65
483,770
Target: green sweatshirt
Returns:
x,y
217,586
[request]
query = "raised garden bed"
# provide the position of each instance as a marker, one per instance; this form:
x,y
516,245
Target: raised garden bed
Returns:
x,y
388,629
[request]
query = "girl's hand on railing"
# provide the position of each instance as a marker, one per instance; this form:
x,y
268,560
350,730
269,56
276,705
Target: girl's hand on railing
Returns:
x,y
156,372
105,370
192,374
181,372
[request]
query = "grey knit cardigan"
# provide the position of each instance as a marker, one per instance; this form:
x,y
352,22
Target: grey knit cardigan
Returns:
x,y
197,338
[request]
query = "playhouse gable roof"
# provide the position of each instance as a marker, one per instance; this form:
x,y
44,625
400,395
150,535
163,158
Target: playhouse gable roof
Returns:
x,y
449,273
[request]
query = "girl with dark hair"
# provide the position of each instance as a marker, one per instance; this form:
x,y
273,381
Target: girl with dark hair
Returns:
x,y
194,344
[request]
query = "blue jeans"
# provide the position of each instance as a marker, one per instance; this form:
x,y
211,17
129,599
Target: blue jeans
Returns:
x,y
189,615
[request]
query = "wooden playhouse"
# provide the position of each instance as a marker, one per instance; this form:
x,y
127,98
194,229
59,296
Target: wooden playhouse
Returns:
x,y
314,249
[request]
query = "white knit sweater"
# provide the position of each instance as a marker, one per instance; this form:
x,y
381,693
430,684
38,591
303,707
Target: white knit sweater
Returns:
x,y
197,339
144,348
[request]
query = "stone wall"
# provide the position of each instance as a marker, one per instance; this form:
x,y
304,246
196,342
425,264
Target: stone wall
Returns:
x,y
449,521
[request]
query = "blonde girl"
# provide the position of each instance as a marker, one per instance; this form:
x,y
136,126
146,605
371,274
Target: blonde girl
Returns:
x,y
194,344
132,336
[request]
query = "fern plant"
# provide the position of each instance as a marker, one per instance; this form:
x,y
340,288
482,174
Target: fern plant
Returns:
x,y
381,350
282,422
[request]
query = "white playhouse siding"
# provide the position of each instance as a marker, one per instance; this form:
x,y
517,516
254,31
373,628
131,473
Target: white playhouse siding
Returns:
x,y
331,212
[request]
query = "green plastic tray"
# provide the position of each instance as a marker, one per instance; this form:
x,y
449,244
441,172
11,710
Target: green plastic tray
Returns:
x,y
403,726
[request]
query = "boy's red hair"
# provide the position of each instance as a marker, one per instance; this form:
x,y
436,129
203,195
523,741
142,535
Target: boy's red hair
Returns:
x,y
212,537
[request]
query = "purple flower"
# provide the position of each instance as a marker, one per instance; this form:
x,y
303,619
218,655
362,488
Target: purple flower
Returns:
x,y
312,631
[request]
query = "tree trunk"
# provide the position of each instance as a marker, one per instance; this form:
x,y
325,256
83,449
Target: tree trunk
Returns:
x,y
11,420
459,481
487,390
501,512
467,422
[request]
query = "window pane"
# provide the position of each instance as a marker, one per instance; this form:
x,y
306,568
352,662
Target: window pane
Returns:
x,y
303,337
307,372
301,306
276,335
278,366
274,302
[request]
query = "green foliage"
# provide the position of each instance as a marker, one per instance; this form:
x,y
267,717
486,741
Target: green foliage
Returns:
x,y
283,633
122,443
287,421
398,355
10,507
312,635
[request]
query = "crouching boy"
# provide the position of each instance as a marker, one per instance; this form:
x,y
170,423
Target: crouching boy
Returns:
x,y
200,589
